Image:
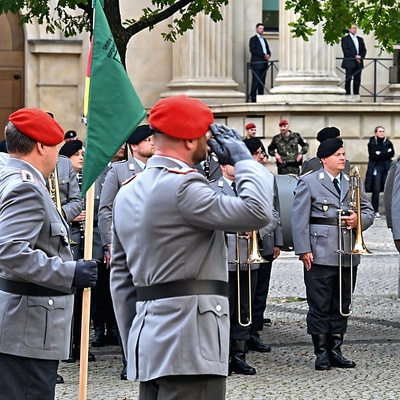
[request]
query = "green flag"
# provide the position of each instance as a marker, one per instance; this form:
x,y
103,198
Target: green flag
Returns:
x,y
113,107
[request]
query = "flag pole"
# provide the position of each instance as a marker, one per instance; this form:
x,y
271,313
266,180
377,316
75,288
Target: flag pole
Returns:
x,y
88,250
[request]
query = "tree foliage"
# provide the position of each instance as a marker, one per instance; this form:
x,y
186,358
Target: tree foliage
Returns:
x,y
59,17
378,17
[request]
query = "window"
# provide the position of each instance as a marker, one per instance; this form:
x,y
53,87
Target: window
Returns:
x,y
270,17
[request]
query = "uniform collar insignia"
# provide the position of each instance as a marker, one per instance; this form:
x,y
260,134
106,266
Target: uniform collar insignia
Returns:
x,y
27,176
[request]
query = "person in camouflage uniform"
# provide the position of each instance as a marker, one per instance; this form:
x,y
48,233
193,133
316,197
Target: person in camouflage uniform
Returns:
x,y
285,148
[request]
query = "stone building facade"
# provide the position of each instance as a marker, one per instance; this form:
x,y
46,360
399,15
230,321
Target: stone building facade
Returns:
x,y
43,70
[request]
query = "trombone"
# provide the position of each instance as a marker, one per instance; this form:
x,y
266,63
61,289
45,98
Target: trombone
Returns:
x,y
359,246
253,257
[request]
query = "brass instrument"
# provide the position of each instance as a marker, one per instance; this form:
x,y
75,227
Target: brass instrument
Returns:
x,y
54,189
253,257
359,246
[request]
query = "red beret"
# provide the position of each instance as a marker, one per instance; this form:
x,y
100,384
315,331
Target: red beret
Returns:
x,y
250,125
284,122
38,125
181,117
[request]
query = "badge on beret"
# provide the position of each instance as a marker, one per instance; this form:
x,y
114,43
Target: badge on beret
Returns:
x,y
27,176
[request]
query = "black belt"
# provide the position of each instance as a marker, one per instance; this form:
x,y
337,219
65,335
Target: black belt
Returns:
x,y
188,287
28,289
325,221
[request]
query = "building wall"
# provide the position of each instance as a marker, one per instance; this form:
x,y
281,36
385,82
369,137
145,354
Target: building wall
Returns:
x,y
55,72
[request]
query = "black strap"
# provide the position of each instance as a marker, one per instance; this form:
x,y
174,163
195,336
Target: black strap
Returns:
x,y
324,221
28,289
187,287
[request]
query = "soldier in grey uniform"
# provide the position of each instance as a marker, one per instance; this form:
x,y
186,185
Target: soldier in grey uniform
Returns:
x,y
271,243
169,267
37,272
142,148
316,233
239,316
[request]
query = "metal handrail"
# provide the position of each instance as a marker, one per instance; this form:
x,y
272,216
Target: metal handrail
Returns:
x,y
369,89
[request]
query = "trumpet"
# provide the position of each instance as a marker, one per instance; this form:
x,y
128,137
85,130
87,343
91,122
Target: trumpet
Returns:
x,y
358,247
54,189
253,257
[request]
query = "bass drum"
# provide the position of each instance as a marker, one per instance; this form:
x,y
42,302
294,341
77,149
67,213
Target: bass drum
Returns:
x,y
286,185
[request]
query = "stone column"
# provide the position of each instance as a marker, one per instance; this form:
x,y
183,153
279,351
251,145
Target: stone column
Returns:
x,y
202,62
306,69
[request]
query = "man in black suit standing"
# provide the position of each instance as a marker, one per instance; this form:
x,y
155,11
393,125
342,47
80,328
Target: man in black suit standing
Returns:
x,y
354,52
260,54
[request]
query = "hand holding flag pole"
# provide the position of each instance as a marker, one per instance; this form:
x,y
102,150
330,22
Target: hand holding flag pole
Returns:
x,y
113,112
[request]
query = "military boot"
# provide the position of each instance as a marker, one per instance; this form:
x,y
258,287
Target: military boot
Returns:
x,y
321,351
335,355
237,362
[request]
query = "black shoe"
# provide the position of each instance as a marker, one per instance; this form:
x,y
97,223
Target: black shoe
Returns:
x,y
267,321
77,354
60,379
336,358
255,344
124,376
238,365
112,337
99,339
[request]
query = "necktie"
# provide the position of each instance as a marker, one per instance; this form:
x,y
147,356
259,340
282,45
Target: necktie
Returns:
x,y
233,186
336,184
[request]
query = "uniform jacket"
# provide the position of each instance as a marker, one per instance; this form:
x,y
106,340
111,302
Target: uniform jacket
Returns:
x,y
288,149
257,53
395,201
168,226
271,235
118,174
70,194
315,196
34,248
388,192
378,162
350,51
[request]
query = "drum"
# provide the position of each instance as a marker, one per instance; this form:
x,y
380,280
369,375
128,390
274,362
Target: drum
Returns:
x,y
286,185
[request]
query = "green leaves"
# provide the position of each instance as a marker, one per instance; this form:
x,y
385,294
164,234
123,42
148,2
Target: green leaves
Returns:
x,y
381,18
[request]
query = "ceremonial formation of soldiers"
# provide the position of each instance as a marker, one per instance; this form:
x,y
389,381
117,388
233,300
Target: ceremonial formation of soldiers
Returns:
x,y
186,228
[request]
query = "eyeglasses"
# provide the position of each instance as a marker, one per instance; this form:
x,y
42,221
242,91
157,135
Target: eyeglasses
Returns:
x,y
259,153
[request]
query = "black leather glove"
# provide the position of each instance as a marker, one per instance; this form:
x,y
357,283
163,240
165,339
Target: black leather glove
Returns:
x,y
228,145
85,274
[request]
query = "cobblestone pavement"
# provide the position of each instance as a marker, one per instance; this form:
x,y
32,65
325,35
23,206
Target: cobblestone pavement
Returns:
x,y
288,371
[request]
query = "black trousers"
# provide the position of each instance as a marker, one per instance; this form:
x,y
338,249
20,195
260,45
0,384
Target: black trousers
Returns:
x,y
258,81
237,331
377,184
322,288
355,74
260,296
184,387
23,378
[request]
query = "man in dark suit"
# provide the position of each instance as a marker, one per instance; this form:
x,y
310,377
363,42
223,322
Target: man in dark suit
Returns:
x,y
260,54
354,52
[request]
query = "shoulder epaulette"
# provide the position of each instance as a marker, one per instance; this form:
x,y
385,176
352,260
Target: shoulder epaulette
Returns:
x,y
126,181
307,173
183,171
27,176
